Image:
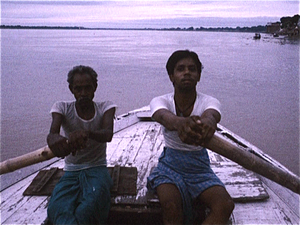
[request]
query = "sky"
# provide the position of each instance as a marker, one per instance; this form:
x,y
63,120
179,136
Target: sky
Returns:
x,y
145,14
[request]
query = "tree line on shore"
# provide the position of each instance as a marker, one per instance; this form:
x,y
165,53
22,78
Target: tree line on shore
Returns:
x,y
225,29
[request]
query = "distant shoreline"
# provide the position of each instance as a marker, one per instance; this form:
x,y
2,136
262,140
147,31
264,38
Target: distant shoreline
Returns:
x,y
259,28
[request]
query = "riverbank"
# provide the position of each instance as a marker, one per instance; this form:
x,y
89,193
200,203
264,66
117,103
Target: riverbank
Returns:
x,y
259,28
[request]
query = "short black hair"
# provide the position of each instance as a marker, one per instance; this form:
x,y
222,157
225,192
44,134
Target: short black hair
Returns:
x,y
82,70
182,54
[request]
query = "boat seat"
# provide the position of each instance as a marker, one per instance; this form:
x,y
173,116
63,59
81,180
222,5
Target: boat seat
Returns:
x,y
124,181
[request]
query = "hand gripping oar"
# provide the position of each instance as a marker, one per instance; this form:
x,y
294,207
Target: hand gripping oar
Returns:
x,y
28,159
217,144
254,163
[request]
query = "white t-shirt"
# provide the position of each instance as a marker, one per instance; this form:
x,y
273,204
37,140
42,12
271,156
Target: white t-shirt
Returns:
x,y
202,103
95,152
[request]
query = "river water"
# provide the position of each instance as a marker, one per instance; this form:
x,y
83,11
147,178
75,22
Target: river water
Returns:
x,y
257,81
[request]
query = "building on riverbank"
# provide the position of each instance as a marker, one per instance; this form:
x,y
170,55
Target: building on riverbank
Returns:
x,y
288,26
273,27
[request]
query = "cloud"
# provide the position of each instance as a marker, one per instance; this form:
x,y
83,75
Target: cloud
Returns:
x,y
88,13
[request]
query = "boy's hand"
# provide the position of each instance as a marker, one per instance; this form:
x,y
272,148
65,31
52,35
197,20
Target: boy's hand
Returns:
x,y
58,145
195,131
208,127
78,139
189,130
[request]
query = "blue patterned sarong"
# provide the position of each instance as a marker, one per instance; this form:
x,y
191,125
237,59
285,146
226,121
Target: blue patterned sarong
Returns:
x,y
190,171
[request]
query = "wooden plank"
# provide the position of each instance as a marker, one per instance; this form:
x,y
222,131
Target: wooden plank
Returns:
x,y
272,211
12,199
112,147
124,181
44,182
235,174
39,215
15,201
140,159
7,193
19,186
45,179
115,178
291,199
132,150
249,159
135,216
149,139
24,213
124,121
247,192
128,141
116,150
243,185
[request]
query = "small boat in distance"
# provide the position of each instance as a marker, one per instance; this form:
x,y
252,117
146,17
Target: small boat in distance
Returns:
x,y
257,36
135,148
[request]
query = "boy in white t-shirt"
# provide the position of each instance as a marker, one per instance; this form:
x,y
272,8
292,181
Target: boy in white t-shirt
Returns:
x,y
189,120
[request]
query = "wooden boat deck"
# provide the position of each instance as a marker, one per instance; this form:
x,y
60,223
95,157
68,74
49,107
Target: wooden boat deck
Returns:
x,y
139,145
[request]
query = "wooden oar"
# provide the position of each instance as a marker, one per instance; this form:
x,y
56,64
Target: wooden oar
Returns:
x,y
254,163
217,144
28,159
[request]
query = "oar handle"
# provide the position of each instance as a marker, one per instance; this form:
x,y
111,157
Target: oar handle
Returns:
x,y
28,159
217,144
254,163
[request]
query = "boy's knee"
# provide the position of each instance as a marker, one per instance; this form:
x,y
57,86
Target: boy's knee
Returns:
x,y
51,210
95,207
55,208
229,205
54,212
172,211
224,207
170,206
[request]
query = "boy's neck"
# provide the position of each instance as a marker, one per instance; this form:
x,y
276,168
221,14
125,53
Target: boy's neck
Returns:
x,y
185,97
184,102
85,112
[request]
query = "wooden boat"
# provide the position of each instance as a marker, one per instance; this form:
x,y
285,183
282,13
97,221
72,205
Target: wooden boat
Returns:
x,y
136,145
257,36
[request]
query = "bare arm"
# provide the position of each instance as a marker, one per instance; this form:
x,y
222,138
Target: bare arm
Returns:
x,y
192,130
208,123
107,127
61,146
187,127
56,142
78,139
